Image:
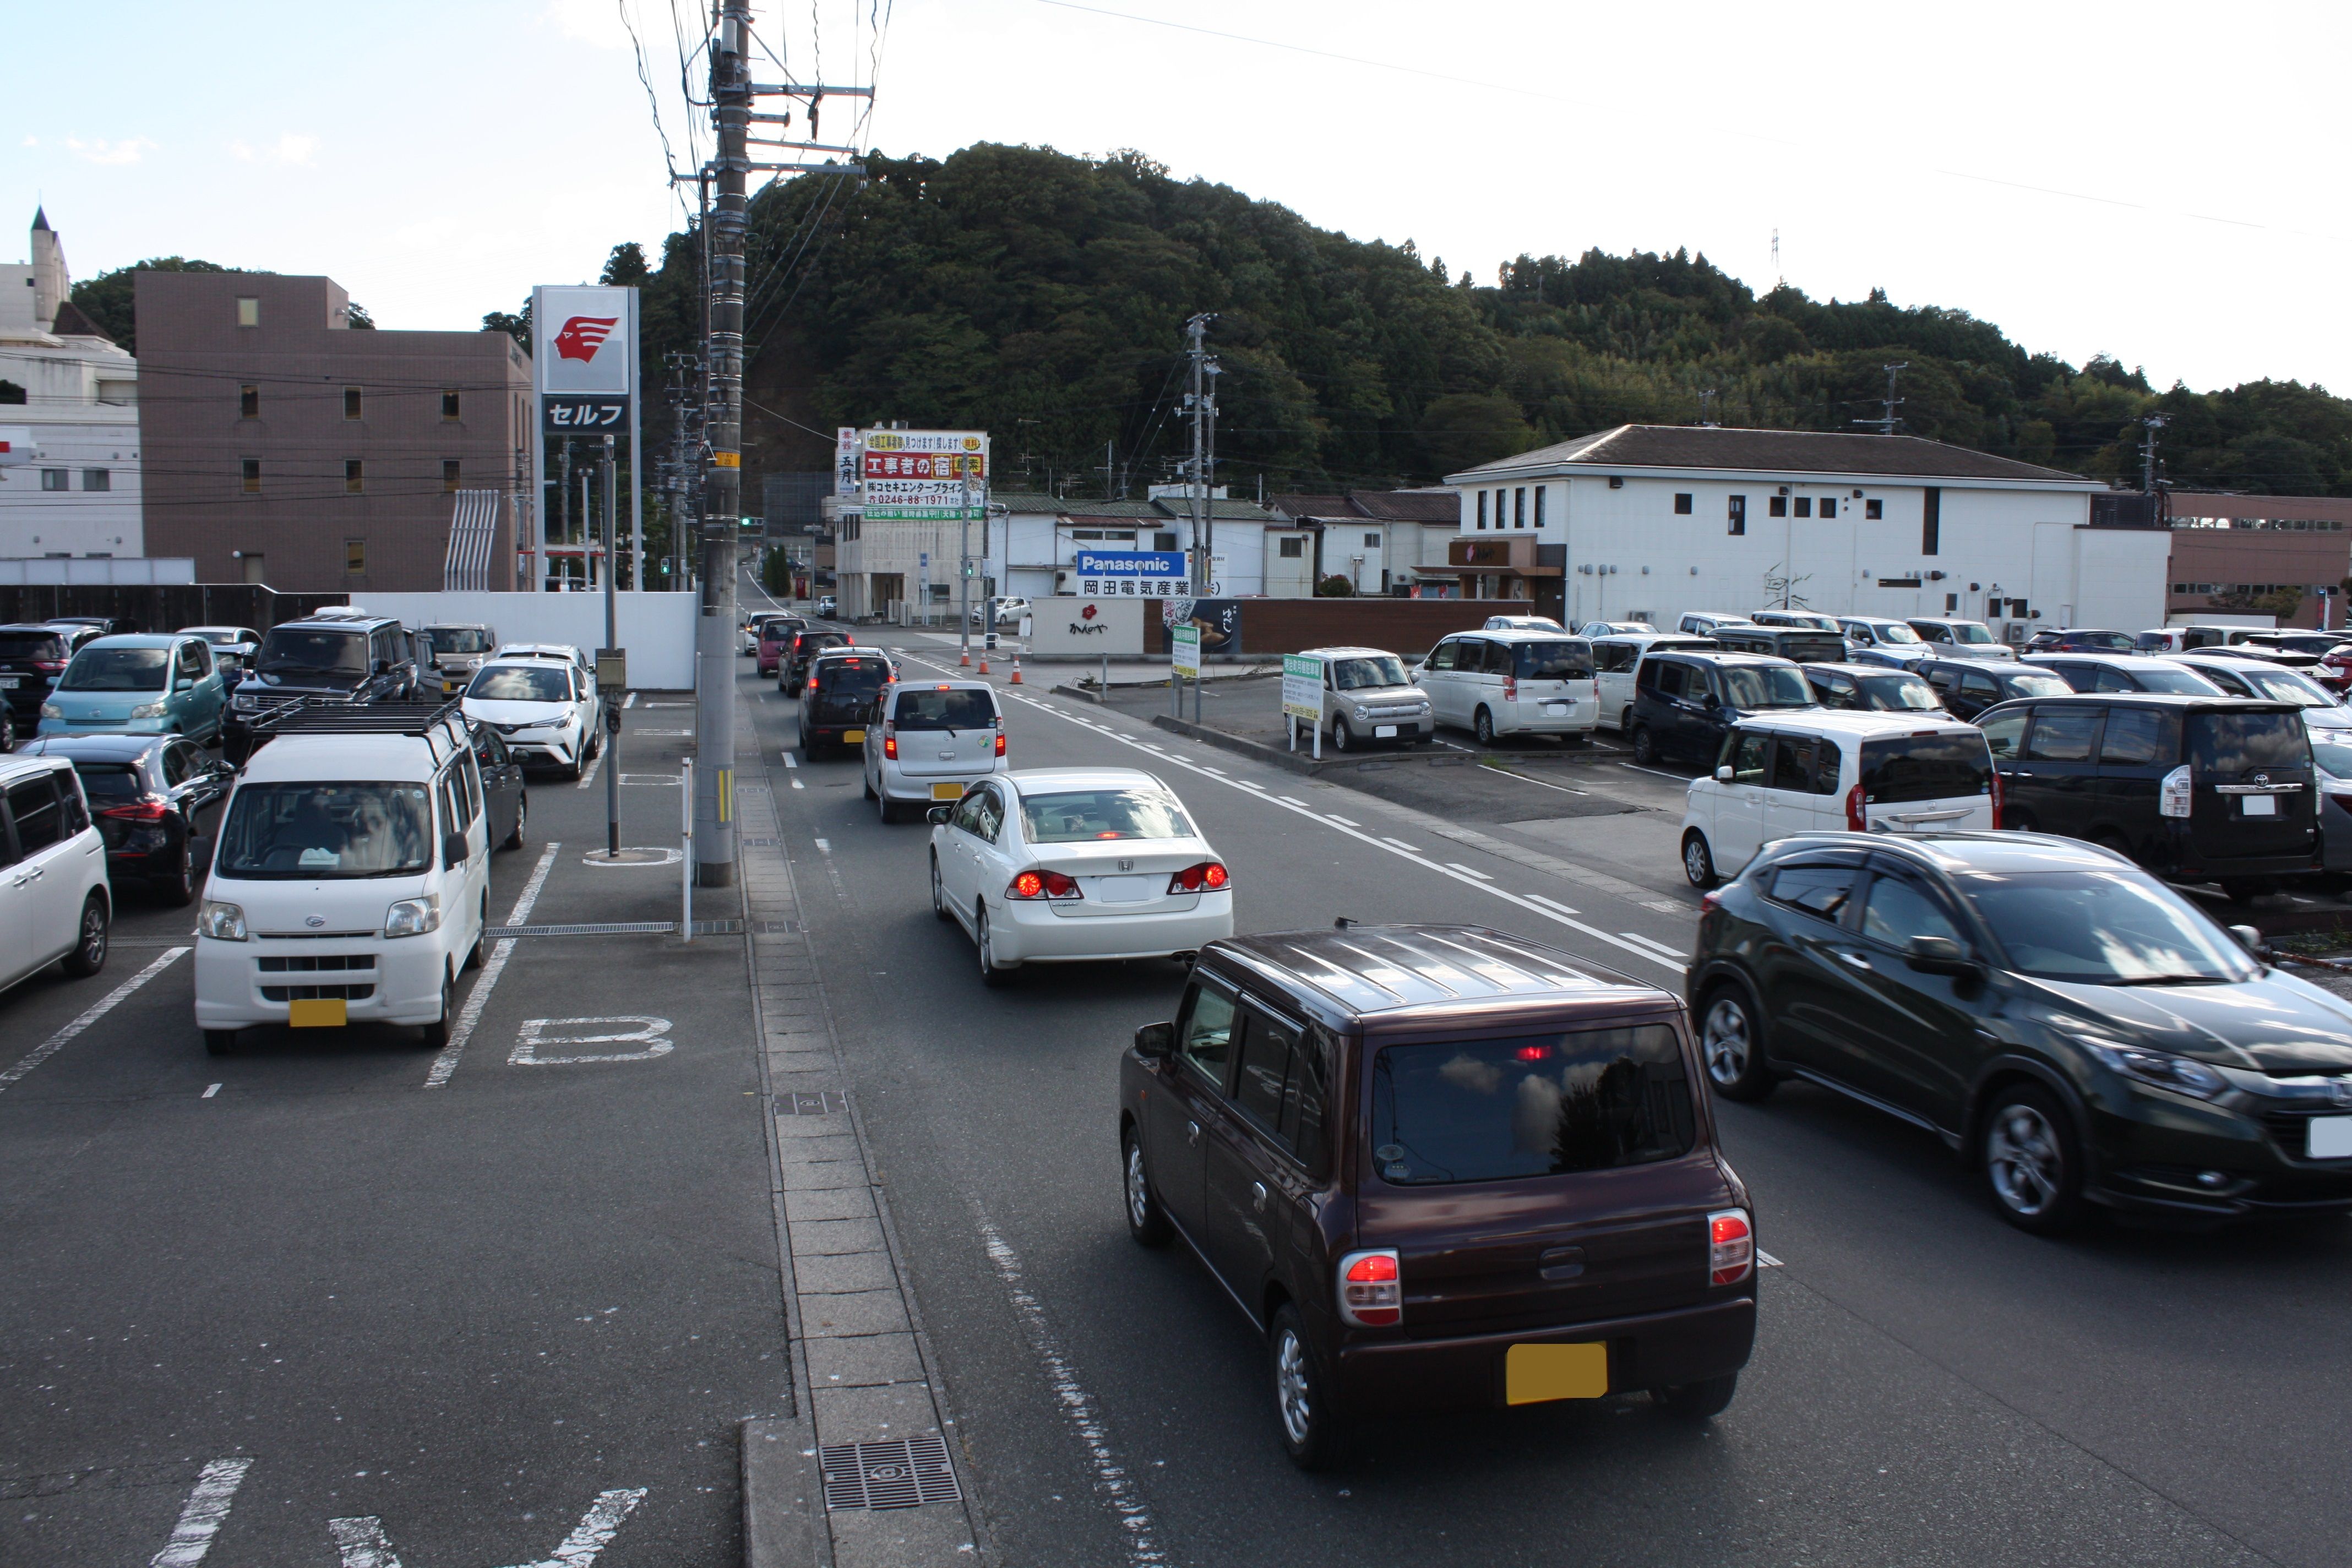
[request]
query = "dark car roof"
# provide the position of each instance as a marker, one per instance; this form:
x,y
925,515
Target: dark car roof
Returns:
x,y
1401,971
1699,655
1994,851
2153,699
1875,671
94,748
55,631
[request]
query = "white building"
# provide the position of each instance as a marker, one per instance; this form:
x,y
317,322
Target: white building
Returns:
x,y
76,492
1646,522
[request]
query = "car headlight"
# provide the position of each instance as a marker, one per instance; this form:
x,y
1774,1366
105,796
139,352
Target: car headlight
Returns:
x,y
1362,713
413,917
51,711
150,711
222,923
2179,1074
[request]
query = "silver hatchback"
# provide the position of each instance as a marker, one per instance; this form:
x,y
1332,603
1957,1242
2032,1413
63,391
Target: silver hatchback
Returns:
x,y
928,741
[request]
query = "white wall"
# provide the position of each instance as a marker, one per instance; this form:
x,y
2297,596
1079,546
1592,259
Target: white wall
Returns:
x,y
656,628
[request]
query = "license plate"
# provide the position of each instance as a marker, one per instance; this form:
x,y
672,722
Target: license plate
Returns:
x,y
849,737
2330,1138
7,683
316,1013
1384,732
947,792
1534,1374
2258,804
1556,710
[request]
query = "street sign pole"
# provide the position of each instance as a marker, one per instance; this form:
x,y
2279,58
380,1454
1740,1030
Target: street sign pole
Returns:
x,y
611,699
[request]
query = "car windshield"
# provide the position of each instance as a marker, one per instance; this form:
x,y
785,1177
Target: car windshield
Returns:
x,y
457,639
328,831
110,782
1970,632
2287,686
1766,686
312,652
956,708
117,669
2036,684
1542,1105
1074,816
2225,743
2175,678
521,683
1900,693
1562,660
1896,634
1364,674
2105,928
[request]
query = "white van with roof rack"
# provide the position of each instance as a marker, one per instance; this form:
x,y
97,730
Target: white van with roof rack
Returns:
x,y
351,877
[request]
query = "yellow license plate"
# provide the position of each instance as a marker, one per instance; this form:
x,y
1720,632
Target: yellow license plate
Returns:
x,y
316,1013
849,735
1534,1374
947,792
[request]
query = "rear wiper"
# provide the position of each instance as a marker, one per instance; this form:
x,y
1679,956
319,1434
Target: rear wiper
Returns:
x,y
2172,980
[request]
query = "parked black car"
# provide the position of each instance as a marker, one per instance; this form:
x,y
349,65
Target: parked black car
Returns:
x,y
1805,645
358,662
155,799
1685,703
2121,672
2196,789
504,800
807,642
1969,686
2080,639
31,657
841,691
1871,689
2077,1031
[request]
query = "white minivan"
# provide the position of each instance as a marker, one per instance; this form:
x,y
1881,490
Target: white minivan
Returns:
x,y
1513,683
55,902
351,881
1616,658
1817,771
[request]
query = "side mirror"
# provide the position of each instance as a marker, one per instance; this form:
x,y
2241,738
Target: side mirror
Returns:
x,y
184,683
453,850
384,666
1938,955
2251,939
1710,700
938,816
1723,773
1155,1042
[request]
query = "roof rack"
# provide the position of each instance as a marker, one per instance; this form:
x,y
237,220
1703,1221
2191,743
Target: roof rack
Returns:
x,y
340,716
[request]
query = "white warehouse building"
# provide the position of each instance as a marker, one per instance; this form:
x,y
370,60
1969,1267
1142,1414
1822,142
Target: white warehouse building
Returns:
x,y
1647,522
69,418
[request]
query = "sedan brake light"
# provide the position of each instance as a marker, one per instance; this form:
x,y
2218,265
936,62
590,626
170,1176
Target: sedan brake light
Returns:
x,y
1043,885
1371,1288
1208,875
1731,1246
139,810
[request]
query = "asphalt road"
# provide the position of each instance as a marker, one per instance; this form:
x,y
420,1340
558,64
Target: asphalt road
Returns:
x,y
1929,1385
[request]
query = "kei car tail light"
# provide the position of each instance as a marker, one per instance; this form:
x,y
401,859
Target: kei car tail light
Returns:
x,y
1856,818
1208,875
1996,799
2174,796
139,810
1043,885
1708,902
1000,737
890,742
1372,1290
1731,1246
1510,688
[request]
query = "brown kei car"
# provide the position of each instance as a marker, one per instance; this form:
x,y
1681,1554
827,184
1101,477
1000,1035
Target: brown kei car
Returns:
x,y
1442,1167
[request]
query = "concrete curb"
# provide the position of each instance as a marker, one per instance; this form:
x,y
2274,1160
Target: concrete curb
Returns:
x,y
1298,762
783,1495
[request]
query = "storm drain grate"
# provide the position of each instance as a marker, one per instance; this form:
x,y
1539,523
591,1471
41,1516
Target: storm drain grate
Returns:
x,y
906,1473
774,928
760,843
812,1102
616,928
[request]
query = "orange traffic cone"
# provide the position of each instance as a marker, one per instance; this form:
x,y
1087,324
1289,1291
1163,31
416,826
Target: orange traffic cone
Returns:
x,y
983,664
1016,670
966,659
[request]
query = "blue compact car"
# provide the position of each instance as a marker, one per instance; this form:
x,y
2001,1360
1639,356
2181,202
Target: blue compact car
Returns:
x,y
138,685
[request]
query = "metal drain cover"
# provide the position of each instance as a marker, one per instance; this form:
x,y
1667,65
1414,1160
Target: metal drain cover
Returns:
x,y
906,1473
812,1102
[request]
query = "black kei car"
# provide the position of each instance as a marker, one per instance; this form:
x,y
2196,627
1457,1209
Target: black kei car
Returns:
x,y
1967,687
154,799
842,685
2076,1030
1685,703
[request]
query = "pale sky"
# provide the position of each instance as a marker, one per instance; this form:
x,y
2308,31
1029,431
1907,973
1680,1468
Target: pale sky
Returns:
x,y
2159,182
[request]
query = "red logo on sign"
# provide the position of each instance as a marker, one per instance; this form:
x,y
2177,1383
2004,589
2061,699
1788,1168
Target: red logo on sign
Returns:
x,y
582,335
1087,613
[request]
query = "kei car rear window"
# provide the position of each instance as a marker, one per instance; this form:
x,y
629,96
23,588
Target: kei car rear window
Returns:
x,y
1538,1105
959,708
1941,766
1562,660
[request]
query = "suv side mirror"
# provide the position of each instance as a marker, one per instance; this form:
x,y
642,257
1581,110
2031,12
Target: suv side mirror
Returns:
x,y
1710,700
1938,955
453,850
1723,773
938,816
1155,1042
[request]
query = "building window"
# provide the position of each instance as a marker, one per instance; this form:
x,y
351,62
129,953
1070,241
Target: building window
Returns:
x,y
1163,540
1293,549
248,402
448,475
251,469
1737,514
1482,508
449,402
1539,504
1372,542
1828,506
1682,503
1931,522
351,403
54,478
1778,506
1874,510
98,478
1804,506
1518,508
354,480
355,556
248,311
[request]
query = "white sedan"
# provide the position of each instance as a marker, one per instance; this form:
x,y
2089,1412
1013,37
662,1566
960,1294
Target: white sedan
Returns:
x,y
1066,865
545,709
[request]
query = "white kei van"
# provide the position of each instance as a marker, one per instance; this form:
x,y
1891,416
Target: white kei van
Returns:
x,y
1816,771
351,881
1615,660
1513,682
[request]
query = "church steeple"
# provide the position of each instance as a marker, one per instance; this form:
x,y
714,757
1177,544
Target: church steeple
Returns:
x,y
40,221
51,283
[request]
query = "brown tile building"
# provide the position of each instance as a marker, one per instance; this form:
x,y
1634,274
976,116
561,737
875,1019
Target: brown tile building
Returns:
x,y
2226,549
283,446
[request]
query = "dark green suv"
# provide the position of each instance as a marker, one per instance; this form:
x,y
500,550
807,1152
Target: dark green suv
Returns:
x,y
2070,1026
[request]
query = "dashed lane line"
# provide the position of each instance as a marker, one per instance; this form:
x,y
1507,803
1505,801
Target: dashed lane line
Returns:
x,y
202,1514
97,1010
479,997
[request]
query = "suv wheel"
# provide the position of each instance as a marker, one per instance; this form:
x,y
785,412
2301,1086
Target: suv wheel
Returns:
x,y
1731,1044
1646,747
1698,864
1697,1401
1146,1221
1309,1431
1481,724
2033,1159
90,940
178,888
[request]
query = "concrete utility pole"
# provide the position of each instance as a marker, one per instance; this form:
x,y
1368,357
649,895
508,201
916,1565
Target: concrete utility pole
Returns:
x,y
1197,404
2152,424
963,560
612,640
1887,423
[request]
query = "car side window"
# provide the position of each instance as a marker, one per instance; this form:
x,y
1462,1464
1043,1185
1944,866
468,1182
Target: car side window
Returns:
x,y
989,817
175,765
1442,656
2078,676
1204,1043
1834,690
2133,736
1899,909
1302,1098
2003,732
1943,680
1827,763
40,820
1981,685
2113,680
1820,890
1267,1045
1747,751
2063,735
967,812
1673,678
1792,763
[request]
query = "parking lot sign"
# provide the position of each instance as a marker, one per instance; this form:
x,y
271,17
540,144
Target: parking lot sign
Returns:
x,y
1302,687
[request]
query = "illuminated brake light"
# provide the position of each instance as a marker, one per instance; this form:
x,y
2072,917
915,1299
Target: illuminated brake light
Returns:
x,y
1372,1290
890,742
1208,875
1000,737
1043,885
1731,1246
1856,818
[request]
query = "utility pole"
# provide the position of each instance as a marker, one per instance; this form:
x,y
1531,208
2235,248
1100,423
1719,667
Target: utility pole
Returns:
x,y
1887,424
2151,423
1208,486
1196,404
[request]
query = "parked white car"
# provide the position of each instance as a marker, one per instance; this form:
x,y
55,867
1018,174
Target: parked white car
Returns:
x,y
55,902
352,877
1513,683
1949,638
1700,623
1522,624
544,710
1615,661
1068,865
930,743
1613,628
1367,697
1882,639
1817,771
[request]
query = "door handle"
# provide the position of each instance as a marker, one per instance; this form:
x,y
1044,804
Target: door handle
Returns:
x,y
1855,958
1192,1132
1257,1189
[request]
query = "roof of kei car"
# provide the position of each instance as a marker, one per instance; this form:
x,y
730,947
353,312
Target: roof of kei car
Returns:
x,y
1390,969
1964,852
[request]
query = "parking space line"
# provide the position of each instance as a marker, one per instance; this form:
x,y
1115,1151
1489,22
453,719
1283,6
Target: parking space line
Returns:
x,y
478,997
99,1009
1342,821
1548,903
1400,843
210,1089
1649,942
1653,773
1539,783
630,701
589,777
1469,871
202,1514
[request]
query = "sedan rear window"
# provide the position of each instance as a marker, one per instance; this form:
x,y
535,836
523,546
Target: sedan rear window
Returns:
x,y
962,708
1941,766
1562,660
1073,816
2234,742
110,781
1542,1105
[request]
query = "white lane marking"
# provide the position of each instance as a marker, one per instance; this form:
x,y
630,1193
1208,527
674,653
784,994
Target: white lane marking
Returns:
x,y
360,1544
590,776
1653,773
661,732
479,997
797,784
1765,1260
646,1030
1649,942
1400,843
1468,871
210,1089
1539,783
1549,903
630,700
1290,800
1077,1405
202,1515
1395,847
824,845
97,1010
1342,820
789,762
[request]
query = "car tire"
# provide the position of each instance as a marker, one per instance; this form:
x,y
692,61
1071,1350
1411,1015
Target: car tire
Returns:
x,y
1481,725
939,891
1731,1045
578,769
1625,723
1700,1401
1646,747
474,953
436,1032
220,1042
1699,861
989,974
2033,1159
886,808
1147,1222
1339,735
1311,1432
522,819
867,782
92,939
179,890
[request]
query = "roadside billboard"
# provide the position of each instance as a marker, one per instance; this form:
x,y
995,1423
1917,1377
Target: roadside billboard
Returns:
x,y
1067,627
923,476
